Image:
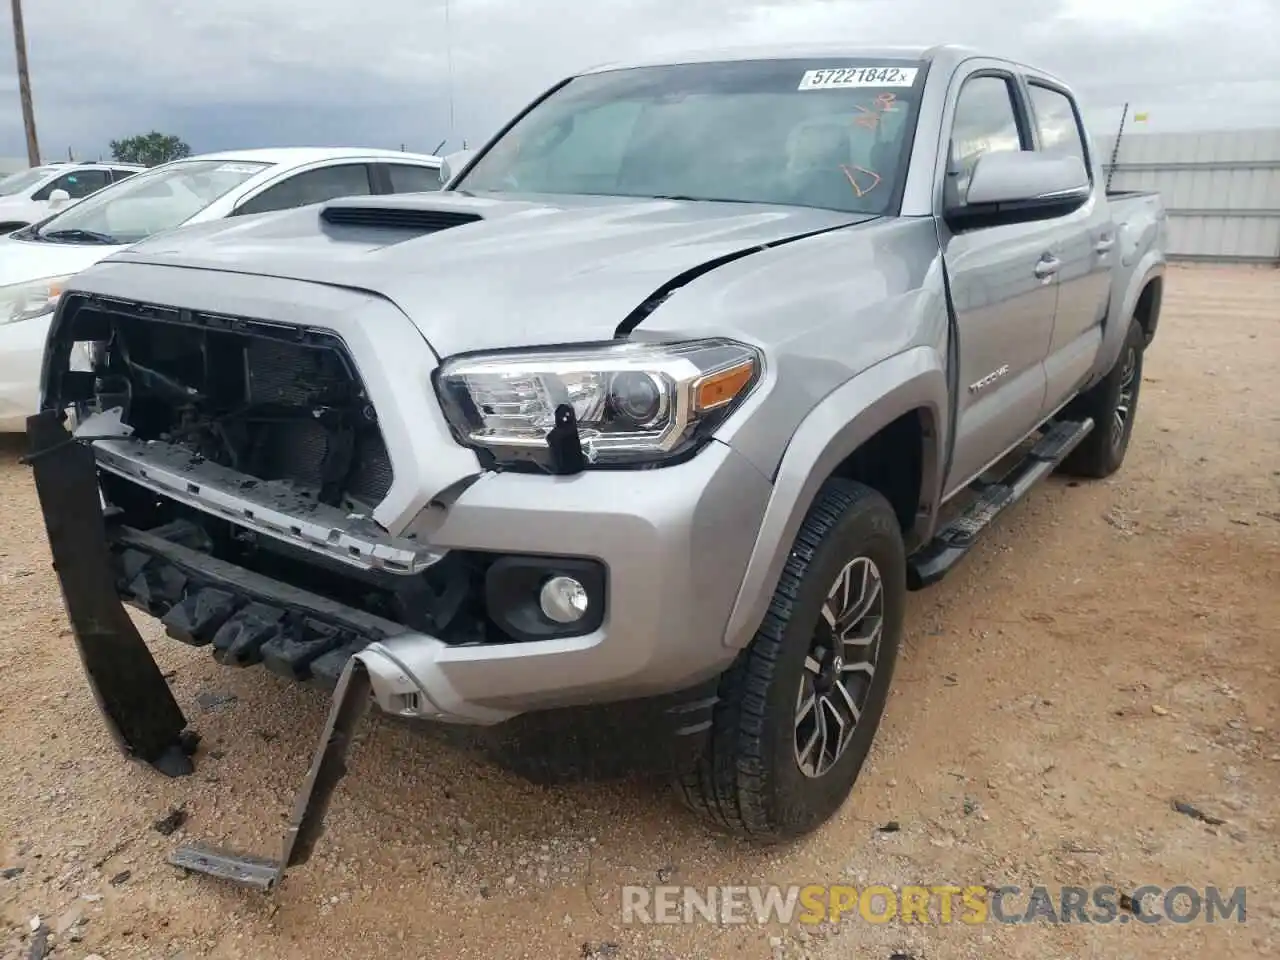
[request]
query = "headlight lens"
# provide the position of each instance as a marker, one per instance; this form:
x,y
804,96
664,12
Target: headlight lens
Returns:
x,y
634,402
30,299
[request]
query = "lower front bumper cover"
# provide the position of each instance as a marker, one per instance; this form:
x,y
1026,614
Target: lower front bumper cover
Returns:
x,y
132,693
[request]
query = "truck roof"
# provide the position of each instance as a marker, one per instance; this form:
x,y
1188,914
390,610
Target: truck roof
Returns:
x,y
945,55
791,51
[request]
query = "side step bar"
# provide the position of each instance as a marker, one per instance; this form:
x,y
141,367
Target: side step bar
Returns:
x,y
935,559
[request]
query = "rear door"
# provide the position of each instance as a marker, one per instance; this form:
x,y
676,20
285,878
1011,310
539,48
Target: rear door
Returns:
x,y
1085,243
1001,278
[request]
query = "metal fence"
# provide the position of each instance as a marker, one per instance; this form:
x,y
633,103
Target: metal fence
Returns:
x,y
1222,190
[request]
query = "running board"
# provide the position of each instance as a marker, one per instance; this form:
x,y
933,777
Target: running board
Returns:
x,y
935,559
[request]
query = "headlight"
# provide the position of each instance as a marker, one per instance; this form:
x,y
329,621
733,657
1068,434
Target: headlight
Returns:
x,y
30,299
634,402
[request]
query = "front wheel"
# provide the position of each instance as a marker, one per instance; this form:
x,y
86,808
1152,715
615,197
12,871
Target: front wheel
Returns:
x,y
800,706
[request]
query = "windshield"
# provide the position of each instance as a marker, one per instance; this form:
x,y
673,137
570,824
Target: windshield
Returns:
x,y
17,182
158,199
819,133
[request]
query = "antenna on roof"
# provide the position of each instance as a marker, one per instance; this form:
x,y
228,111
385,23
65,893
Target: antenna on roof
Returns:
x,y
448,46
440,146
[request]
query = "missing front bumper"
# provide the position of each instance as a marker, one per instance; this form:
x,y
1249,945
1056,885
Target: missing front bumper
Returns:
x,y
132,693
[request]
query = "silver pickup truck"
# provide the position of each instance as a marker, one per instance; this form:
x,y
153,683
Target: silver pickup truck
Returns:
x,y
658,410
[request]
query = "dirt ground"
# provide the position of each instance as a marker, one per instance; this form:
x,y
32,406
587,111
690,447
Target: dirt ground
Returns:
x,y
1110,648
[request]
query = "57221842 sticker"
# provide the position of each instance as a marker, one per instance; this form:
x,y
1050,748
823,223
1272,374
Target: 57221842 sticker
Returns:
x,y
846,78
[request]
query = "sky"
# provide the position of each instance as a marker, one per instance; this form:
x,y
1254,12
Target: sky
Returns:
x,y
224,74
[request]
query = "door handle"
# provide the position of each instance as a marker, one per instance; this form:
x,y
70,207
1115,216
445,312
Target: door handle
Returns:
x,y
1047,267
1104,245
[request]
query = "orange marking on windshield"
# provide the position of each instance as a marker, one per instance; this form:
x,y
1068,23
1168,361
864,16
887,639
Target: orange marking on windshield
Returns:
x,y
853,180
865,117
886,102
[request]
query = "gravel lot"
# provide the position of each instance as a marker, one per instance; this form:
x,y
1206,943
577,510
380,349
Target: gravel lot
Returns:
x,y
1111,647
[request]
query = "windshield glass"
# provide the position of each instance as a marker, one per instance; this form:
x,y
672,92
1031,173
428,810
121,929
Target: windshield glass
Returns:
x,y
820,133
158,199
17,182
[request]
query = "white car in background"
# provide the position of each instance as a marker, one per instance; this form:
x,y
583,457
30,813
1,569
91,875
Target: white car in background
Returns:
x,y
31,195
36,261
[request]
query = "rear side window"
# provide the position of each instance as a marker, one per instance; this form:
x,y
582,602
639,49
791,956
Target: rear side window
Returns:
x,y
409,178
118,174
1057,123
986,121
312,186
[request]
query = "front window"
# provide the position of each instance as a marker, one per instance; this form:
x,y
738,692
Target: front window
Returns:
x,y
819,133
159,199
16,183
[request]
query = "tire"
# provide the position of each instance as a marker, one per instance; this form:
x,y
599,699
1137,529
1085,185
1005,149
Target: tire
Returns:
x,y
1113,404
749,780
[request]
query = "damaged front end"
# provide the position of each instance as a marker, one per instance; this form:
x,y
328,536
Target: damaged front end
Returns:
x,y
220,477
229,477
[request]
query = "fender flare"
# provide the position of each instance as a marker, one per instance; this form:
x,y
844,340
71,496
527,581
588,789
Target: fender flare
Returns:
x,y
839,424
1149,268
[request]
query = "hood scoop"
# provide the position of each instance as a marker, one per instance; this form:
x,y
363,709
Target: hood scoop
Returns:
x,y
415,219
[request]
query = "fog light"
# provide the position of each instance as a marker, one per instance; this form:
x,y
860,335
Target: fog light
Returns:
x,y
563,599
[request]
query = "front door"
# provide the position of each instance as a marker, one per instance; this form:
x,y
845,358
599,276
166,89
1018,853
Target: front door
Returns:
x,y
1003,288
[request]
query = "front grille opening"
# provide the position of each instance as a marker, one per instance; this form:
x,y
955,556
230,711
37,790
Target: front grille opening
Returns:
x,y
270,402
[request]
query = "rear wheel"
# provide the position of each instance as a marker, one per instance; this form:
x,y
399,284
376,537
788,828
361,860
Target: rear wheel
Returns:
x,y
800,707
1112,403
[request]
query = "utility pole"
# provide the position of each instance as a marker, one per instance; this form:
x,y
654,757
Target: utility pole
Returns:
x,y
24,85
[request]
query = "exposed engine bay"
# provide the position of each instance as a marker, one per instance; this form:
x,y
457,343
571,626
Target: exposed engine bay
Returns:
x,y
262,401
253,442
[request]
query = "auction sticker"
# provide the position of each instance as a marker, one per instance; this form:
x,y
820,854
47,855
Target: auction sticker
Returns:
x,y
845,78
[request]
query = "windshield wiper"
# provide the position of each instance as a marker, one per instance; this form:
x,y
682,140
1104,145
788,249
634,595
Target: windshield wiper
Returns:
x,y
79,236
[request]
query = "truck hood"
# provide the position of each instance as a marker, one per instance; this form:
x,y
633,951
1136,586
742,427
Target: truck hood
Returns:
x,y
23,260
476,272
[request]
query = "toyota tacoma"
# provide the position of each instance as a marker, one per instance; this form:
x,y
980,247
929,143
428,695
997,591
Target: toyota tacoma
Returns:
x,y
664,403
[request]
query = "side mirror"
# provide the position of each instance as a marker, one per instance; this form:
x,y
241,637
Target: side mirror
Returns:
x,y
58,199
452,164
1021,186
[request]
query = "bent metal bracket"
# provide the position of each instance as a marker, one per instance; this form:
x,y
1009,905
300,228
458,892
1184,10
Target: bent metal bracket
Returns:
x,y
135,700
